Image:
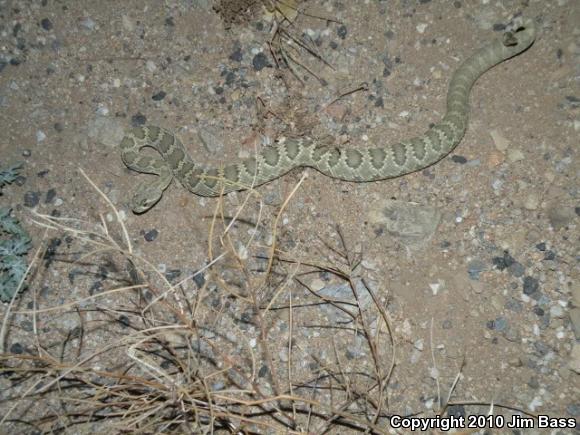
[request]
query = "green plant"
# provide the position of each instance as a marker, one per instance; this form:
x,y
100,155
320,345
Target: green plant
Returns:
x,y
14,244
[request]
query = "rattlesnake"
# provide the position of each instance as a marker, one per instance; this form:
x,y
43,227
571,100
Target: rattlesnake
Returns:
x,y
359,164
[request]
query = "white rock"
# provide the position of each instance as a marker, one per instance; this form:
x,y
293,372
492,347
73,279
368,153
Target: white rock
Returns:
x,y
421,28
40,136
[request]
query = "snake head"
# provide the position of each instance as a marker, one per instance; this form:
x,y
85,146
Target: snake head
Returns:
x,y
145,197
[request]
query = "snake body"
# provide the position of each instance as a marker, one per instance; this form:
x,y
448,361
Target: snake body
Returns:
x,y
359,165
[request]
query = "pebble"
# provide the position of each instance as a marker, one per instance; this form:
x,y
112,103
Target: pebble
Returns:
x,y
138,120
260,61
500,324
151,235
16,348
503,262
237,55
517,270
31,199
500,142
317,284
159,96
199,279
105,130
514,155
50,196
344,292
560,216
459,159
87,23
531,285
46,24
475,267
128,25
210,141
514,305
40,136
413,224
419,344
150,66
532,201
421,28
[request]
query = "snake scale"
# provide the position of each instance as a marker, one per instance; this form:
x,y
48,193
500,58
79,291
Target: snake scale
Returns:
x,y
359,164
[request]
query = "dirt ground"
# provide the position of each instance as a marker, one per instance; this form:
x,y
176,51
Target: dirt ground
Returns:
x,y
473,260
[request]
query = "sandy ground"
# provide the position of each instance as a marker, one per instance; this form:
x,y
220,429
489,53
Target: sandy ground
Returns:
x,y
483,284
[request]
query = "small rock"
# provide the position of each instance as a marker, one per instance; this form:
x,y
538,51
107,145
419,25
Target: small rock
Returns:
x,y
210,141
40,136
532,202
512,335
500,142
199,279
260,61
515,155
500,324
317,284
413,224
459,159
106,131
159,96
556,311
151,235
344,292
31,199
504,262
514,305
138,120
517,270
127,23
237,55
559,216
87,23
46,24
16,349
475,267
419,344
421,28
172,275
50,196
531,285
150,66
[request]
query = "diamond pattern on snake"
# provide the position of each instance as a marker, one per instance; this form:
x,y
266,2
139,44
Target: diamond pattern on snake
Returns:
x,y
378,162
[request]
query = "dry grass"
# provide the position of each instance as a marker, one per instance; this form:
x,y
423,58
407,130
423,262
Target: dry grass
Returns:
x,y
148,355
